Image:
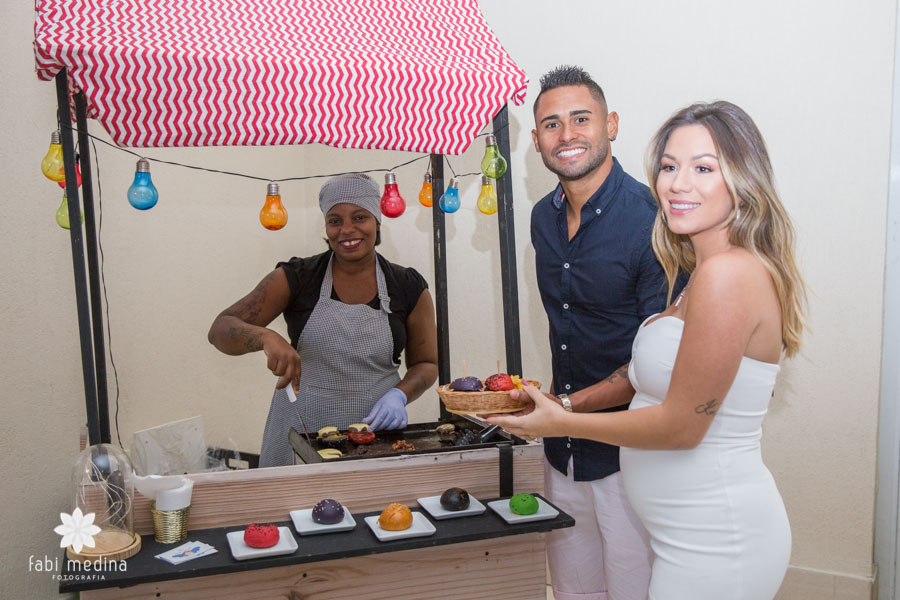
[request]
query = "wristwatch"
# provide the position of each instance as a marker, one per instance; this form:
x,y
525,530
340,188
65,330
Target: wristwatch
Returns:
x,y
566,403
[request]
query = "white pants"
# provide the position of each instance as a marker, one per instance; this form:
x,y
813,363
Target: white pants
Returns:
x,y
606,555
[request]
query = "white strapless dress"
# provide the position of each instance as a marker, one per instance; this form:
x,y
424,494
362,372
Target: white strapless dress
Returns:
x,y
716,520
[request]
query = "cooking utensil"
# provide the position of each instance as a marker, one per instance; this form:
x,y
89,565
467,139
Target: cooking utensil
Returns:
x,y
292,396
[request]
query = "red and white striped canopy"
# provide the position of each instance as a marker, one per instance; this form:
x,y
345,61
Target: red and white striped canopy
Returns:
x,y
415,75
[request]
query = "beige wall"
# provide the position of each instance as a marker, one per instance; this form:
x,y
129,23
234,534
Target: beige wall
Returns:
x,y
816,77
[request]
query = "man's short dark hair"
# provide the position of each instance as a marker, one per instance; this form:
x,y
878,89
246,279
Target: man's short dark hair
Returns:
x,y
569,75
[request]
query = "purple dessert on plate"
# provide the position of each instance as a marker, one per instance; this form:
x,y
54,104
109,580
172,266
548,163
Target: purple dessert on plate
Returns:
x,y
328,512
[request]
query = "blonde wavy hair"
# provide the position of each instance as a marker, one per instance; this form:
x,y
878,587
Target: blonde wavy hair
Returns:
x,y
758,223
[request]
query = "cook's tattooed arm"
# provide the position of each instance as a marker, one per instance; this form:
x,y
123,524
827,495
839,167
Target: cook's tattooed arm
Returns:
x,y
248,308
709,408
241,328
251,340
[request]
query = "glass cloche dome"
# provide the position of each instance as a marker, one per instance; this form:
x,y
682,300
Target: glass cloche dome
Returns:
x,y
103,485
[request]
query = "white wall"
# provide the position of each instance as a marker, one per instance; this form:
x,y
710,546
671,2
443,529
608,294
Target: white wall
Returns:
x,y
816,76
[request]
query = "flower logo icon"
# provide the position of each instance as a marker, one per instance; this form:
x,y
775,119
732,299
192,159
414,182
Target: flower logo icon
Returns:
x,y
77,530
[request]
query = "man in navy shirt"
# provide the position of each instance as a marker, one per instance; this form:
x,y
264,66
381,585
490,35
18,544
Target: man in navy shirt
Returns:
x,y
599,280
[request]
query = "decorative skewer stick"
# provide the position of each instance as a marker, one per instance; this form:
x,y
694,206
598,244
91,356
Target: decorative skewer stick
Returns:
x,y
498,366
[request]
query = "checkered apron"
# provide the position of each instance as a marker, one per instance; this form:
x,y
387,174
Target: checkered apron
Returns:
x,y
347,366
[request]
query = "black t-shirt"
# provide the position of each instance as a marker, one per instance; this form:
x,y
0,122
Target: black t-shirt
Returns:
x,y
305,276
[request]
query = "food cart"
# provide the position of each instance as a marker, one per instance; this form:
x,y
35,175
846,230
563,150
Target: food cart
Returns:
x,y
301,63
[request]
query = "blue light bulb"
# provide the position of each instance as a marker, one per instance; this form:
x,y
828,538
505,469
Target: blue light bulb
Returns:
x,y
449,201
142,194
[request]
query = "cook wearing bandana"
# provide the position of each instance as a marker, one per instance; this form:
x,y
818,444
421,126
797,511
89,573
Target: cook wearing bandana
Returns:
x,y
350,314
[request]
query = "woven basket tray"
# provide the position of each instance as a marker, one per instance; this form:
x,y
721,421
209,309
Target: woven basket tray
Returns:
x,y
481,403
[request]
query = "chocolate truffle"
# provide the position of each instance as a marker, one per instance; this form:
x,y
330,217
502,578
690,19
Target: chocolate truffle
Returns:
x,y
455,499
466,384
328,512
523,504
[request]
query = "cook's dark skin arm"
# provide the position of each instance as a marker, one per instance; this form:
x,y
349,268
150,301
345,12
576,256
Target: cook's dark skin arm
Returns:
x,y
421,349
242,328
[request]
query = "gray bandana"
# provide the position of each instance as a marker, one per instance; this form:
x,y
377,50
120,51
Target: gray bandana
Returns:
x,y
355,189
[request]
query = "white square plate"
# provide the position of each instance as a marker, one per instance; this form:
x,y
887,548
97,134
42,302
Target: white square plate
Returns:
x,y
432,504
241,551
421,527
544,511
305,525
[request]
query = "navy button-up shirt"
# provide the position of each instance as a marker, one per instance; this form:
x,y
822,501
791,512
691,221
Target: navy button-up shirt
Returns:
x,y
597,289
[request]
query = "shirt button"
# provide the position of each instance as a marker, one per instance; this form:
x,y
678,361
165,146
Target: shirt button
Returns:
x,y
566,306
565,265
568,387
568,445
598,211
563,346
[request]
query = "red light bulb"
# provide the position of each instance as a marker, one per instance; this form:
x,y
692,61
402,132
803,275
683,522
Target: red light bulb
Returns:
x,y
392,203
62,183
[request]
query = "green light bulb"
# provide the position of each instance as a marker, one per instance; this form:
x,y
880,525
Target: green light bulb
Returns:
x,y
62,213
492,164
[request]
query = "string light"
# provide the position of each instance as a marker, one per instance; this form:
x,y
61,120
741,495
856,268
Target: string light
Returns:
x,y
492,164
52,164
273,215
392,203
142,194
426,194
487,199
449,202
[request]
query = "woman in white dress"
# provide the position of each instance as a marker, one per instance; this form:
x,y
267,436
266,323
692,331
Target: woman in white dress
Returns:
x,y
704,369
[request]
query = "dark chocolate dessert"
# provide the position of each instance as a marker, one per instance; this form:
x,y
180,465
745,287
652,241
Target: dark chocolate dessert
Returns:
x,y
455,499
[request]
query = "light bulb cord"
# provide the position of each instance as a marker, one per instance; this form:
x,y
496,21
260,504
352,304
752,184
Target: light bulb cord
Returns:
x,y
270,179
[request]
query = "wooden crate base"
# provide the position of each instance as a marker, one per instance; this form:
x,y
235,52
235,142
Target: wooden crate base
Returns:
x,y
512,567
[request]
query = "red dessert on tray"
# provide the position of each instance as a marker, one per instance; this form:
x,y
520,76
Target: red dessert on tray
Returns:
x,y
261,535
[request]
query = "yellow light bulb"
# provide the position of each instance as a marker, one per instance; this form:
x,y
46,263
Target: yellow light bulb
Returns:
x,y
273,215
426,194
52,165
487,199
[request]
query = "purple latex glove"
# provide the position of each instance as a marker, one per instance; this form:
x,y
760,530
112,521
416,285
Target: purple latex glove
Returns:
x,y
389,412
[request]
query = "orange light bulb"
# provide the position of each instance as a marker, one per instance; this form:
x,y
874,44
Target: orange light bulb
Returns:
x,y
273,215
426,194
